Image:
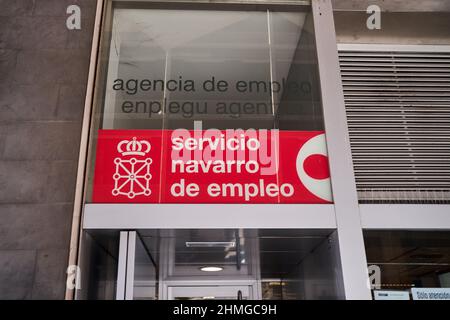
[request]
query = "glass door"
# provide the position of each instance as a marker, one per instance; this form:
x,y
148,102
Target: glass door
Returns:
x,y
187,264
234,264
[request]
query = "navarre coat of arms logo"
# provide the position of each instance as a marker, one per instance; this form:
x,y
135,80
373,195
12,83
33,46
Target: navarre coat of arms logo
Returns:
x,y
132,170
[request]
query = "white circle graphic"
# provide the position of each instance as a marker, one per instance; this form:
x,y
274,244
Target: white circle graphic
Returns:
x,y
319,187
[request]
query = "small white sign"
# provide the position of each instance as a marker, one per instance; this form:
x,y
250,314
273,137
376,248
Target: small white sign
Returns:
x,y
430,293
391,295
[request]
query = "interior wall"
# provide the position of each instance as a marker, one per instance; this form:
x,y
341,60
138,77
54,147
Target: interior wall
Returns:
x,y
303,110
98,266
318,276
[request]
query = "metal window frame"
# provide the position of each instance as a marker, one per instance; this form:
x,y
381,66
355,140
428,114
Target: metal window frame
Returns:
x,y
173,216
214,2
350,235
436,48
126,264
405,216
378,47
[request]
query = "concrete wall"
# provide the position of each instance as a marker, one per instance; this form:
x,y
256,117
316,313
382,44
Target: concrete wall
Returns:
x,y
43,77
413,28
394,5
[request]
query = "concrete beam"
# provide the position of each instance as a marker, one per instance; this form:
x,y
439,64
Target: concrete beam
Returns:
x,y
393,5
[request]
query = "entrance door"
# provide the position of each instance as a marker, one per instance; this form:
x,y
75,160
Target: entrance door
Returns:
x,y
154,270
247,264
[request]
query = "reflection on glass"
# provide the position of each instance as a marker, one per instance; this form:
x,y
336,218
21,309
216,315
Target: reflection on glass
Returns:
x,y
145,273
410,259
98,266
230,69
260,264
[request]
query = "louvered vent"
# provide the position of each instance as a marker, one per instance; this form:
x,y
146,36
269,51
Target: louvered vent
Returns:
x,y
398,111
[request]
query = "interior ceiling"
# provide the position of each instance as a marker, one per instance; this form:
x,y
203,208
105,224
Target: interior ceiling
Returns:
x,y
407,247
280,251
230,45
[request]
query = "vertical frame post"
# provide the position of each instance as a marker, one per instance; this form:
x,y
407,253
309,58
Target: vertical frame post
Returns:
x,y
122,266
131,255
350,236
125,268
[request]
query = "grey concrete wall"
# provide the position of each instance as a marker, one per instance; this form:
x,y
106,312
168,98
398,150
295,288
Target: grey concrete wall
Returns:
x,y
394,5
43,77
413,28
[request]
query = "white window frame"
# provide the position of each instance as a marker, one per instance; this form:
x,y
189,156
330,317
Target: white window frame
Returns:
x,y
173,216
394,47
126,264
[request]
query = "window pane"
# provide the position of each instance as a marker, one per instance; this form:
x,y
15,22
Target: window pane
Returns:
x,y
240,70
230,69
409,259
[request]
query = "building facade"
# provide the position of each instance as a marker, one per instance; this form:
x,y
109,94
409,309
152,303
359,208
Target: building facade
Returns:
x,y
225,149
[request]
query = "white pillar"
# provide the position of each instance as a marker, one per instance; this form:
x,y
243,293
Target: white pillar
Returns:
x,y
350,236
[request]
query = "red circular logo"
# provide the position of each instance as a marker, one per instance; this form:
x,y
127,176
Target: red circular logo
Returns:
x,y
316,166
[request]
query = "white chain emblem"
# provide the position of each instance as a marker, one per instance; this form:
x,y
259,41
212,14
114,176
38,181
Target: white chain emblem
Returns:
x,y
132,176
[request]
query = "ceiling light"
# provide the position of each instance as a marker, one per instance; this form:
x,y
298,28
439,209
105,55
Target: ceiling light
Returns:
x,y
210,244
211,269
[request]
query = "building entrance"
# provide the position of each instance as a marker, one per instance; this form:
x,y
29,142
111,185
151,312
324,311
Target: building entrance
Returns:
x,y
247,264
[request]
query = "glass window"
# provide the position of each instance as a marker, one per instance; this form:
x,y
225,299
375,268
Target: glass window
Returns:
x,y
408,259
228,68
275,264
145,283
248,72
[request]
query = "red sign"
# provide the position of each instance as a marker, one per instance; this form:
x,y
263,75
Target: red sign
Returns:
x,y
211,166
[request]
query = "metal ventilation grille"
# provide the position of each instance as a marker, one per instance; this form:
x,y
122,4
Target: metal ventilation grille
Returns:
x,y
398,112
